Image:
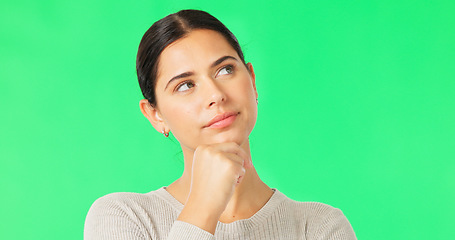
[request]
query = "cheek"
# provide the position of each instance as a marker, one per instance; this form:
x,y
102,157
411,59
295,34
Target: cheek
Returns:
x,y
184,122
180,115
246,90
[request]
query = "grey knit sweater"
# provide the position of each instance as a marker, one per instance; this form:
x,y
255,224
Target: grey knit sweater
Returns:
x,y
153,216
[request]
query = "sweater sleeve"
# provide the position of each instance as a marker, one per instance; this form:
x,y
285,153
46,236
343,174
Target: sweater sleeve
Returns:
x,y
334,225
110,219
113,219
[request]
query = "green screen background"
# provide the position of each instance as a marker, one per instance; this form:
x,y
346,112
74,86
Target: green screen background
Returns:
x,y
356,109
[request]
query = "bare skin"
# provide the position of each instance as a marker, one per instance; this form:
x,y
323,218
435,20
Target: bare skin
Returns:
x,y
211,110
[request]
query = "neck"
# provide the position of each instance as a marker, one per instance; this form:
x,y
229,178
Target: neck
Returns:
x,y
248,198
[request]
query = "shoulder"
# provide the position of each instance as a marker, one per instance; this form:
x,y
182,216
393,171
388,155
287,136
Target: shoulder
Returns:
x,y
122,212
124,202
132,204
320,220
125,198
311,210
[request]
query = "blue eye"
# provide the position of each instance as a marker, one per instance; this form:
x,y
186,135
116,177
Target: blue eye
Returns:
x,y
184,86
229,69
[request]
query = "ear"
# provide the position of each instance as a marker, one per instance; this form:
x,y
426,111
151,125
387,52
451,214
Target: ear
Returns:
x,y
153,115
253,77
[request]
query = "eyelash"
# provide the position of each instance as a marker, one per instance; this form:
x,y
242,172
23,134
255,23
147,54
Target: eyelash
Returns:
x,y
226,67
182,84
230,66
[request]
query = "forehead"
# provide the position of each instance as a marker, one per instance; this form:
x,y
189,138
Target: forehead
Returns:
x,y
196,51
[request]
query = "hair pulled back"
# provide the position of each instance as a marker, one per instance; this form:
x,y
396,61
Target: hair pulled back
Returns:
x,y
166,31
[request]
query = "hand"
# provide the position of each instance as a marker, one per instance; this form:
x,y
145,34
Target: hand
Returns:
x,y
217,169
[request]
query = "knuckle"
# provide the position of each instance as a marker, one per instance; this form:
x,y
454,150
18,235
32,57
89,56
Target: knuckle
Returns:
x,y
233,166
202,147
218,155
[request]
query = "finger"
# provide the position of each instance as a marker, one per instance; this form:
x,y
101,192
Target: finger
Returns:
x,y
232,147
241,176
239,165
248,163
234,157
239,180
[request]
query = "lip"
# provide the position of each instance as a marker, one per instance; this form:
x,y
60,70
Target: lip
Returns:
x,y
222,120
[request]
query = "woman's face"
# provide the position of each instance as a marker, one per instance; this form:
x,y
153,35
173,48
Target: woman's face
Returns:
x,y
205,94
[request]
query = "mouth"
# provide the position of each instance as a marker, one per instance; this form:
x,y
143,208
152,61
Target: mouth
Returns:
x,y
222,120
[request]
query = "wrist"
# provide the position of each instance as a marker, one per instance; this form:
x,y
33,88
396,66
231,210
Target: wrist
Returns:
x,y
200,215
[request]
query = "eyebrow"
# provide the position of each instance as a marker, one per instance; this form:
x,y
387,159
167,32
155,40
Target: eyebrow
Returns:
x,y
221,59
188,74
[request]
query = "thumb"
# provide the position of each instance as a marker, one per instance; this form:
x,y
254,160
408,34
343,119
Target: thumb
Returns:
x,y
248,163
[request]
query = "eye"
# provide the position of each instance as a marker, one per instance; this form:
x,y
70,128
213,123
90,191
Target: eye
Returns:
x,y
228,69
184,86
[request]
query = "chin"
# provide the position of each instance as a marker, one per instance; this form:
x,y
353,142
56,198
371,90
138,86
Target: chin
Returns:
x,y
230,137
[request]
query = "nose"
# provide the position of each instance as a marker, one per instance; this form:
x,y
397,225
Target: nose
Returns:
x,y
215,94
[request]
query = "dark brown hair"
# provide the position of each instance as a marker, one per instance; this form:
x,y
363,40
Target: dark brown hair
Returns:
x,y
166,31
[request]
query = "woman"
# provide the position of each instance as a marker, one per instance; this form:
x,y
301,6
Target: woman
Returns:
x,y
197,85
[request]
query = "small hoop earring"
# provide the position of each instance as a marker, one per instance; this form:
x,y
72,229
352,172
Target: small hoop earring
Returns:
x,y
166,134
257,102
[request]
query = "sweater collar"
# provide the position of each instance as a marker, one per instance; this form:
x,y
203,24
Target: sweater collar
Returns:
x,y
240,225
